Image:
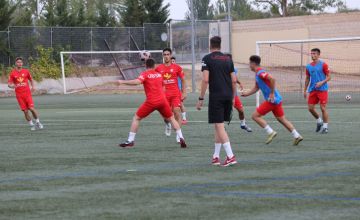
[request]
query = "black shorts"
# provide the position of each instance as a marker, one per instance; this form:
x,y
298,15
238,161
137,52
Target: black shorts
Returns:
x,y
220,111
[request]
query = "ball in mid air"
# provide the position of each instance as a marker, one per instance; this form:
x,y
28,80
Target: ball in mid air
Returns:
x,y
144,55
348,97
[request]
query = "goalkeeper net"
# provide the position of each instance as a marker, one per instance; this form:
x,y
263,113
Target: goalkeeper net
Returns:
x,y
97,71
287,61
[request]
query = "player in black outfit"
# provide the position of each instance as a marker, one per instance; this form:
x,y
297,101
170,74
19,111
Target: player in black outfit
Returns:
x,y
218,74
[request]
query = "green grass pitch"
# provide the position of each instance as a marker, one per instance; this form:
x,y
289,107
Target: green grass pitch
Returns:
x,y
74,170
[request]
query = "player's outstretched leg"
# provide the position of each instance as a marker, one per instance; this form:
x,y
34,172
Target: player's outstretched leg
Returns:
x,y
29,120
257,117
178,118
177,128
167,128
224,139
133,130
239,107
325,115
216,156
319,121
38,124
290,127
183,114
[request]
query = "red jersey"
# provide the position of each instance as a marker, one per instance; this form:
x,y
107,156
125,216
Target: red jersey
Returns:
x,y
153,86
170,75
21,80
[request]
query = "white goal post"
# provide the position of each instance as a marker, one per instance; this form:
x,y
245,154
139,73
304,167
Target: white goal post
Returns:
x,y
332,48
98,53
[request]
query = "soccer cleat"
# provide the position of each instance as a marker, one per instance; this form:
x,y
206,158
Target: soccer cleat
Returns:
x,y
33,128
298,140
229,161
168,129
39,126
127,144
182,143
184,122
318,126
324,131
216,161
246,128
271,137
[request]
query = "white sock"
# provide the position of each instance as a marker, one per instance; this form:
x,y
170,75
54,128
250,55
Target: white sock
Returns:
x,y
228,149
183,115
242,122
295,134
37,120
268,129
217,150
31,123
179,134
168,124
131,136
319,120
325,125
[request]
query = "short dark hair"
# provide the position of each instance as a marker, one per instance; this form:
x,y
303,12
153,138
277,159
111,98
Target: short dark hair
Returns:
x,y
316,50
215,42
173,58
167,49
150,63
18,58
255,59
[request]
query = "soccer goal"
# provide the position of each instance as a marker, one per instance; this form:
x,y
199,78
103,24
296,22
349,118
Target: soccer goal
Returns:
x,y
287,61
98,70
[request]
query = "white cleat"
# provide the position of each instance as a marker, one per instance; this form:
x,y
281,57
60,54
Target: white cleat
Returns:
x,y
168,129
33,128
39,126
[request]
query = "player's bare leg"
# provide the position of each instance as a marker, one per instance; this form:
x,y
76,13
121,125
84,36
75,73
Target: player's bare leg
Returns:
x,y
133,130
176,126
183,114
319,121
216,156
29,120
223,137
167,128
325,116
290,127
36,117
243,124
257,117
177,115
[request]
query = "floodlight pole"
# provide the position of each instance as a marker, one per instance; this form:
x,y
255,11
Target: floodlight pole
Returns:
x,y
193,58
230,24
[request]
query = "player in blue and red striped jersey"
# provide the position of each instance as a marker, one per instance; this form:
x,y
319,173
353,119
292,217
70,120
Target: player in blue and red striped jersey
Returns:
x,y
317,76
273,102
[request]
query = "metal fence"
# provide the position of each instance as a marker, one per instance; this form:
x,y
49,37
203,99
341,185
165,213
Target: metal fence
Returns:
x,y
22,41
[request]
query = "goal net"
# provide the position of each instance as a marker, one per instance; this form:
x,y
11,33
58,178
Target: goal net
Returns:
x,y
287,61
97,71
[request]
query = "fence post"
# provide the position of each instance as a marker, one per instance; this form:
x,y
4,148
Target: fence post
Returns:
x,y
51,37
301,66
9,57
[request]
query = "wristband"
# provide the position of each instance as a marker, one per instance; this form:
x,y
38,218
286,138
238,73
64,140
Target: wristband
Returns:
x,y
201,99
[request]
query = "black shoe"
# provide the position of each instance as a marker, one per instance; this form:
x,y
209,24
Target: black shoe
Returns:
x,y
127,144
319,126
246,128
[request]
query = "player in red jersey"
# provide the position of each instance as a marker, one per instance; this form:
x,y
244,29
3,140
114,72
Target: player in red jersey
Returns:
x,y
170,73
19,80
155,100
182,107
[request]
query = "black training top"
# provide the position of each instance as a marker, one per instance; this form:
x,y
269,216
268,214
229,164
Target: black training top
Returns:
x,y
220,67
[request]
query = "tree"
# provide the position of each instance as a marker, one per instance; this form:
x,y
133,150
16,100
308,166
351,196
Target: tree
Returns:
x,y
104,19
49,17
6,11
297,7
203,10
155,11
133,13
240,10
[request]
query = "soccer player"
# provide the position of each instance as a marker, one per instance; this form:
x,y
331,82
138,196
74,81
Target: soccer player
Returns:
x,y
170,73
19,80
238,104
317,76
273,102
155,100
218,74
182,107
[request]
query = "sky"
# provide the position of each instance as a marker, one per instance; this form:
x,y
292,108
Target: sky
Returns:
x,y
178,8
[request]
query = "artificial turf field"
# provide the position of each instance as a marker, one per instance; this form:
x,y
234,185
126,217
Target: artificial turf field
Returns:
x,y
74,170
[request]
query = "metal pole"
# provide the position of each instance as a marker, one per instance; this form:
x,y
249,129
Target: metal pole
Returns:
x,y
193,46
230,25
257,93
301,66
8,32
63,71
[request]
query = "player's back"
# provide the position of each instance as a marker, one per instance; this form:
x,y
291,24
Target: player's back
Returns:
x,y
153,85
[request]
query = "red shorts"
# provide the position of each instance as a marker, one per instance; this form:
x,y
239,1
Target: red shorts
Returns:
x,y
267,107
147,108
316,97
25,101
174,101
237,103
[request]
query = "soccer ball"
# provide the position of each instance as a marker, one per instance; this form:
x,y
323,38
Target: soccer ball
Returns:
x,y
144,55
348,97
